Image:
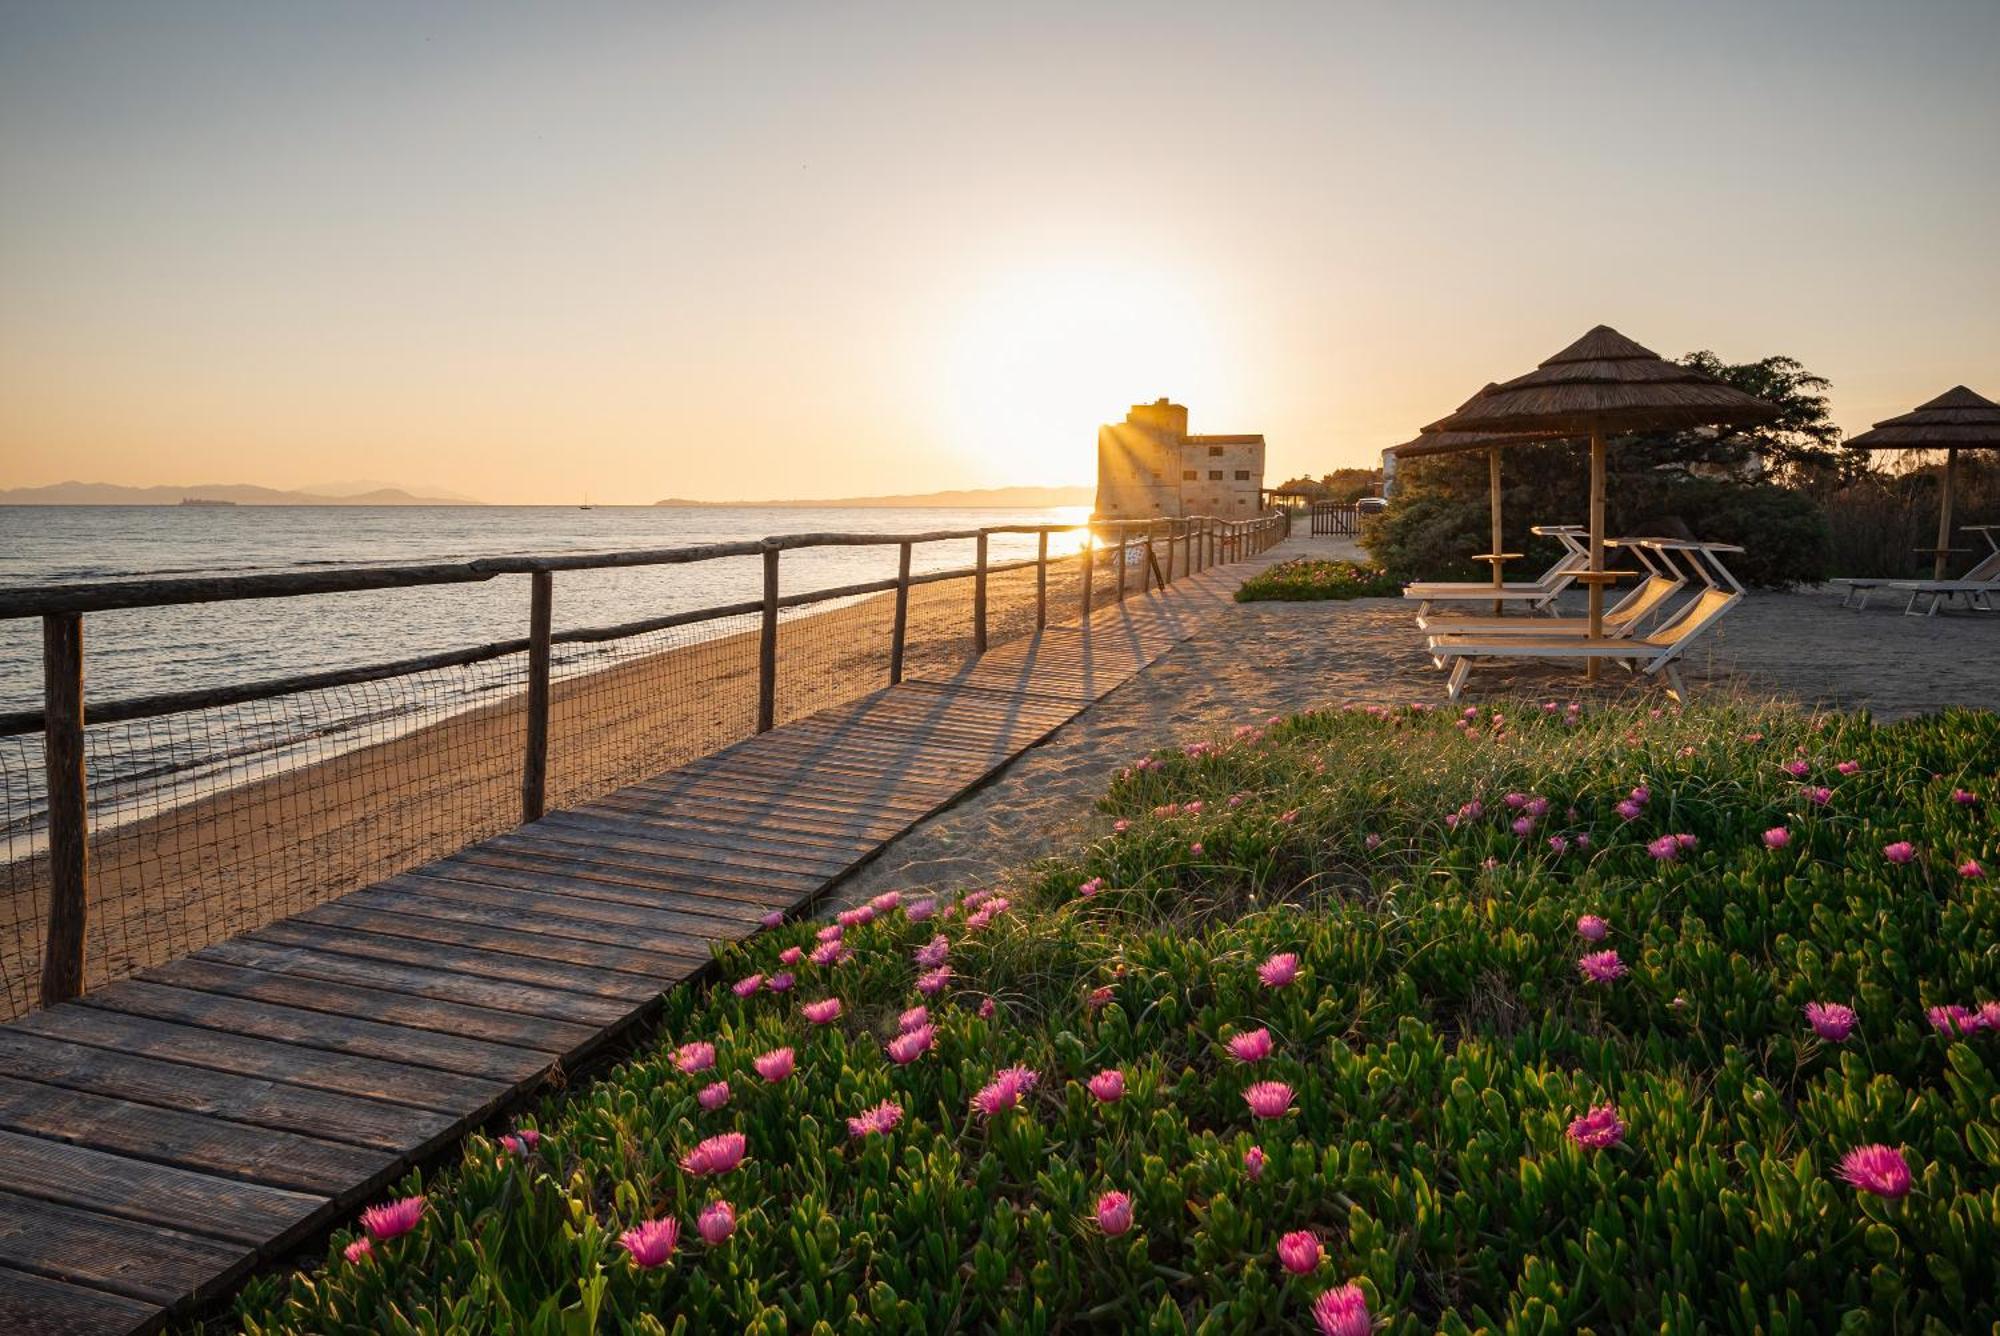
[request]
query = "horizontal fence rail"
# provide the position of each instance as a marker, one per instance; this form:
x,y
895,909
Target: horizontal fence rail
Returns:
x,y
1142,555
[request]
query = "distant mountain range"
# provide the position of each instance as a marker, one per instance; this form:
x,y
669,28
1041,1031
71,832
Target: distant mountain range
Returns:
x,y
242,494
974,498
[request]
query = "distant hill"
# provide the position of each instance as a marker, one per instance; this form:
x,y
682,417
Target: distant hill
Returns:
x,y
971,499
243,494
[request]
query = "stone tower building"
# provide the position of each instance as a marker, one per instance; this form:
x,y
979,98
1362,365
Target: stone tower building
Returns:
x,y
1148,466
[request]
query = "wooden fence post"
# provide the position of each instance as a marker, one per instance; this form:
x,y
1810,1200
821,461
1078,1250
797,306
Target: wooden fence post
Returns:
x,y
1089,568
535,757
902,632
1150,567
1123,538
1041,579
62,736
979,597
767,647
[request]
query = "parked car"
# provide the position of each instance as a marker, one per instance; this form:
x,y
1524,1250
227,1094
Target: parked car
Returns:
x,y
1372,505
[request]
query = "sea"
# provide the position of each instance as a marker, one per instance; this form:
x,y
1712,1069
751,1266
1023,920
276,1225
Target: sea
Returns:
x,y
142,652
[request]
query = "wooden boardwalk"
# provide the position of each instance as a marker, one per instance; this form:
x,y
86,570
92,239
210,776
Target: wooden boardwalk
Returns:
x,y
164,1134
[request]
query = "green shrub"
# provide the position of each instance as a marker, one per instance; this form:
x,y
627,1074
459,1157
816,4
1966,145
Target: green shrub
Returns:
x,y
1311,579
1438,1038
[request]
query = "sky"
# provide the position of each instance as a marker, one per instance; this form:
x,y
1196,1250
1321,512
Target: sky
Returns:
x,y
529,252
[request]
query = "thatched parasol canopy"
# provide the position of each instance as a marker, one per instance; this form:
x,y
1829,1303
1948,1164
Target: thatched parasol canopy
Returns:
x,y
1956,420
1604,383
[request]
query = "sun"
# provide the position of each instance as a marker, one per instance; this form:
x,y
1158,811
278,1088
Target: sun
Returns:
x,y
1042,355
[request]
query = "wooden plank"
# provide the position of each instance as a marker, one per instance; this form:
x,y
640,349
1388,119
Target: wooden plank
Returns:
x,y
714,876
157,1194
319,1032
845,766
498,966
651,820
232,1097
444,984
234,1150
537,1034
682,845
138,1261
762,811
605,917
528,909
726,904
794,790
659,968
371,1078
38,1306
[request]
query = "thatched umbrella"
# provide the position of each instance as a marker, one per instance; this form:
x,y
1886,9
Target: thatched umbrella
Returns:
x,y
1431,441
1956,420
1603,383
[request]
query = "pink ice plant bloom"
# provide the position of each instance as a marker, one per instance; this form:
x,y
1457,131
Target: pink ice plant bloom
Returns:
x,y
1108,1086
713,1097
1006,1090
1830,1020
522,1141
912,1018
1848,767
748,986
1524,826
781,983
1964,797
932,983
695,1057
1591,928
986,1008
1876,1169
1343,1312
651,1243
1601,966
359,1251
1253,1162
1667,848
829,953
859,916
1902,851
886,902
1299,1252
823,1012
776,1065
1971,870
1597,1129
1251,1046
920,911
1558,845
716,1222
1818,797
392,1219
1777,837
877,1121
1279,970
1091,887
832,932
910,1045
717,1155
774,919
791,955
1114,1213
1952,1020
1628,810
1269,1099
932,953
1797,769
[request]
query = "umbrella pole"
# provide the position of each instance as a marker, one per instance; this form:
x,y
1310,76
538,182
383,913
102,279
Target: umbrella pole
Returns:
x,y
1493,483
1596,541
1943,556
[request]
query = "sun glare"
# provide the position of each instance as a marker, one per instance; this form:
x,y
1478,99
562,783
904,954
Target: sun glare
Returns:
x,y
1043,355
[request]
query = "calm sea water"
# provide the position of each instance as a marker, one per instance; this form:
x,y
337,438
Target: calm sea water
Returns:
x,y
144,651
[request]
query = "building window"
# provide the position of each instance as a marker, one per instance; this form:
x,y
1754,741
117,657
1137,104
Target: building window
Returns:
x,y
1215,475
1242,475
1214,452
1188,475
1239,503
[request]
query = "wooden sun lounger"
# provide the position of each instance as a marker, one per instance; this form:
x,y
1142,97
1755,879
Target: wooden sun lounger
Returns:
x,y
1977,585
1620,620
1541,590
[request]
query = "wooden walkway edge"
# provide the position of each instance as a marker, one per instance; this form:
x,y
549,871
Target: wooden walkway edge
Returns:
x,y
164,1134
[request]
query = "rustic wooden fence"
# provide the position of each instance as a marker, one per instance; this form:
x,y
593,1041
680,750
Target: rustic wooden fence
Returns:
x,y
1143,555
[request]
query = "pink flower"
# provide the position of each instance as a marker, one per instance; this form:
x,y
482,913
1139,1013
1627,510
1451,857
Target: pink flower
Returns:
x,y
359,1251
1279,970
1006,1090
716,1223
1879,1169
829,954
1971,870
985,1008
823,1012
1954,1020
695,1057
1114,1213
932,953
1848,767
774,919
1667,848
1195,848
1558,845
1818,797
1964,797
1251,1046
748,986
1597,1129
1628,810
913,1018
1372,842
856,917
791,955
393,1219
1902,851
717,1155
1343,1312
1120,826
1287,818
1515,799
1299,1252
780,983
1601,966
1524,826
1797,769
1830,1020
1091,887
931,984
832,932
886,902
877,1121
1108,1086
1253,1162
713,1097
921,910
910,1045
1591,928
522,1142
776,1065
650,1244
1269,1099
1777,837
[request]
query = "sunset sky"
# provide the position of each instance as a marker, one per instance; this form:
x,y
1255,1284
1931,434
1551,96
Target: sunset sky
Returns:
x,y
752,250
